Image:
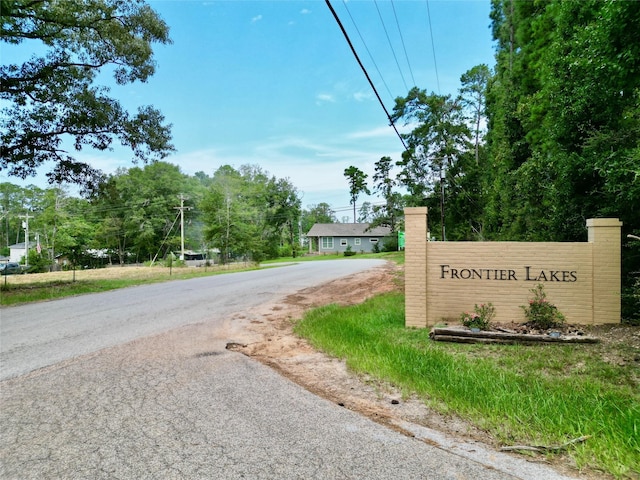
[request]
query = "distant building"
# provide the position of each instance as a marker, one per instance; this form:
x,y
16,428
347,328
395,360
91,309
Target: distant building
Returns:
x,y
18,251
337,237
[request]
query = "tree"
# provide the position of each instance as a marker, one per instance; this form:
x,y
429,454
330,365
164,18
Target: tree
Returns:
x,y
137,208
317,213
52,104
232,219
12,204
76,236
365,213
284,211
357,184
564,121
473,96
50,217
384,184
435,144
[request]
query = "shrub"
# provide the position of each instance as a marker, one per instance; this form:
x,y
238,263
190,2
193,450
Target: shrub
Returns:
x,y
348,252
390,243
481,316
540,313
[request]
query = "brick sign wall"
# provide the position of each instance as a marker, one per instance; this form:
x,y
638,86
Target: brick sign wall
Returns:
x,y
443,279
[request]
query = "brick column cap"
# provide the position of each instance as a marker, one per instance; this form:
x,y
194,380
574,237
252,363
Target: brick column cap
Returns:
x,y
415,210
604,222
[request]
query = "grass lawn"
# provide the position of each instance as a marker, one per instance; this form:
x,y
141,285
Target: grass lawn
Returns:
x,y
16,289
524,395
397,257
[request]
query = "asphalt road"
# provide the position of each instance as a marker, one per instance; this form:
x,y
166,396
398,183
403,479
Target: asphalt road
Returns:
x,y
40,334
137,384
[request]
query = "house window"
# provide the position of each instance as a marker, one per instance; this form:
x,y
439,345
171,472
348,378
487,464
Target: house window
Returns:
x,y
356,241
343,242
373,240
327,243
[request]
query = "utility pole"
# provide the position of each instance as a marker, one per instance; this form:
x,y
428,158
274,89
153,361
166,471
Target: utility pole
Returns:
x,y
442,230
25,225
5,216
182,208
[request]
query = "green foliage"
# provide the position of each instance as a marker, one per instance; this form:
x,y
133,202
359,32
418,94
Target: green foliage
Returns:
x,y
473,95
134,217
390,214
481,316
564,122
49,97
348,252
282,214
138,211
631,303
248,215
357,184
389,243
431,166
37,262
320,213
540,313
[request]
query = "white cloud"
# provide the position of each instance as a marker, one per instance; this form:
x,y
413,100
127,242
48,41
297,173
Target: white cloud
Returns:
x,y
256,18
314,167
377,132
324,98
362,96
305,11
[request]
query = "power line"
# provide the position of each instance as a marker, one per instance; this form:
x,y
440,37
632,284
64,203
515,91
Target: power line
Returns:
x,y
433,47
367,49
404,47
165,238
364,70
391,45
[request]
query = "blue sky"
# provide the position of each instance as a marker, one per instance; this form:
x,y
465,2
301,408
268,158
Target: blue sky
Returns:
x,y
274,83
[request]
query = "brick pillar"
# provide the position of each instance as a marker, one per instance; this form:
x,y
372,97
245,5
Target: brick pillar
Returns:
x,y
606,236
415,266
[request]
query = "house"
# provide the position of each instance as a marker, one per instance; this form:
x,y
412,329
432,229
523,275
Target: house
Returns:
x,y
337,237
18,251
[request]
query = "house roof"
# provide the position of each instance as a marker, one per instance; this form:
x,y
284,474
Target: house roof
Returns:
x,y
347,230
18,246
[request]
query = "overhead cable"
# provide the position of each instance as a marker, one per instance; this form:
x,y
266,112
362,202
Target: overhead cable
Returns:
x,y
391,46
344,2
404,47
364,70
433,48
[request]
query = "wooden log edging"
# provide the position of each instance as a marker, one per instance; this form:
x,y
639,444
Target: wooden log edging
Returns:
x,y
459,335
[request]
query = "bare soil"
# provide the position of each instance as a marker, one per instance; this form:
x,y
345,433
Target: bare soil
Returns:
x,y
274,344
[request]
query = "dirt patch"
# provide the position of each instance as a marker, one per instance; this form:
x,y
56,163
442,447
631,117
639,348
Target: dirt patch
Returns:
x,y
328,377
272,342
